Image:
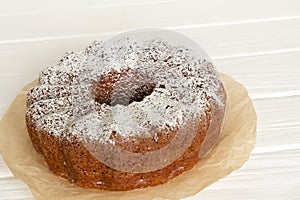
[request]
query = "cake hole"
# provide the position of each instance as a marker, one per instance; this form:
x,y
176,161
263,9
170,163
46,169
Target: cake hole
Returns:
x,y
135,94
123,95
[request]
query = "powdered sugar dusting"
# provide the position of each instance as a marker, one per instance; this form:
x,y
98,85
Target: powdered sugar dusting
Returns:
x,y
182,85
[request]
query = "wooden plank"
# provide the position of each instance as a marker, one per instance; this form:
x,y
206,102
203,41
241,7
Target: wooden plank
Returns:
x,y
14,189
236,39
32,7
4,171
243,39
278,124
265,76
248,40
265,176
114,19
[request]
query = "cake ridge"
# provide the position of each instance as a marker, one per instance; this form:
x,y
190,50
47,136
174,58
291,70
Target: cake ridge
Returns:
x,y
141,106
169,61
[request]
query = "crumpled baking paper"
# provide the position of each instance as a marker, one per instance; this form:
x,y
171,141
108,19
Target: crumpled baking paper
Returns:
x,y
230,153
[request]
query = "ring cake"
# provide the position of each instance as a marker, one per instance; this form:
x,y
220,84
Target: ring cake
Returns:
x,y
126,114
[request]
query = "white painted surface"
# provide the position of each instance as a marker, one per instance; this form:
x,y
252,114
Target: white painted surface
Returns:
x,y
257,42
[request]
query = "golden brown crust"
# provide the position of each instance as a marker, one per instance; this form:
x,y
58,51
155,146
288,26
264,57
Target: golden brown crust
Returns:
x,y
71,159
126,114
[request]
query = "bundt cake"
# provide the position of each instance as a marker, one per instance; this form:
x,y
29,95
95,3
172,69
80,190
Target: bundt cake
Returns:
x,y
127,113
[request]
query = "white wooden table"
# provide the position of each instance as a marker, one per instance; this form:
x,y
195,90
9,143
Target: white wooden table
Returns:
x,y
257,42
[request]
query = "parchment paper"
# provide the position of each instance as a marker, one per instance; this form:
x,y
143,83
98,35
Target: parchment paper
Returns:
x,y
231,152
